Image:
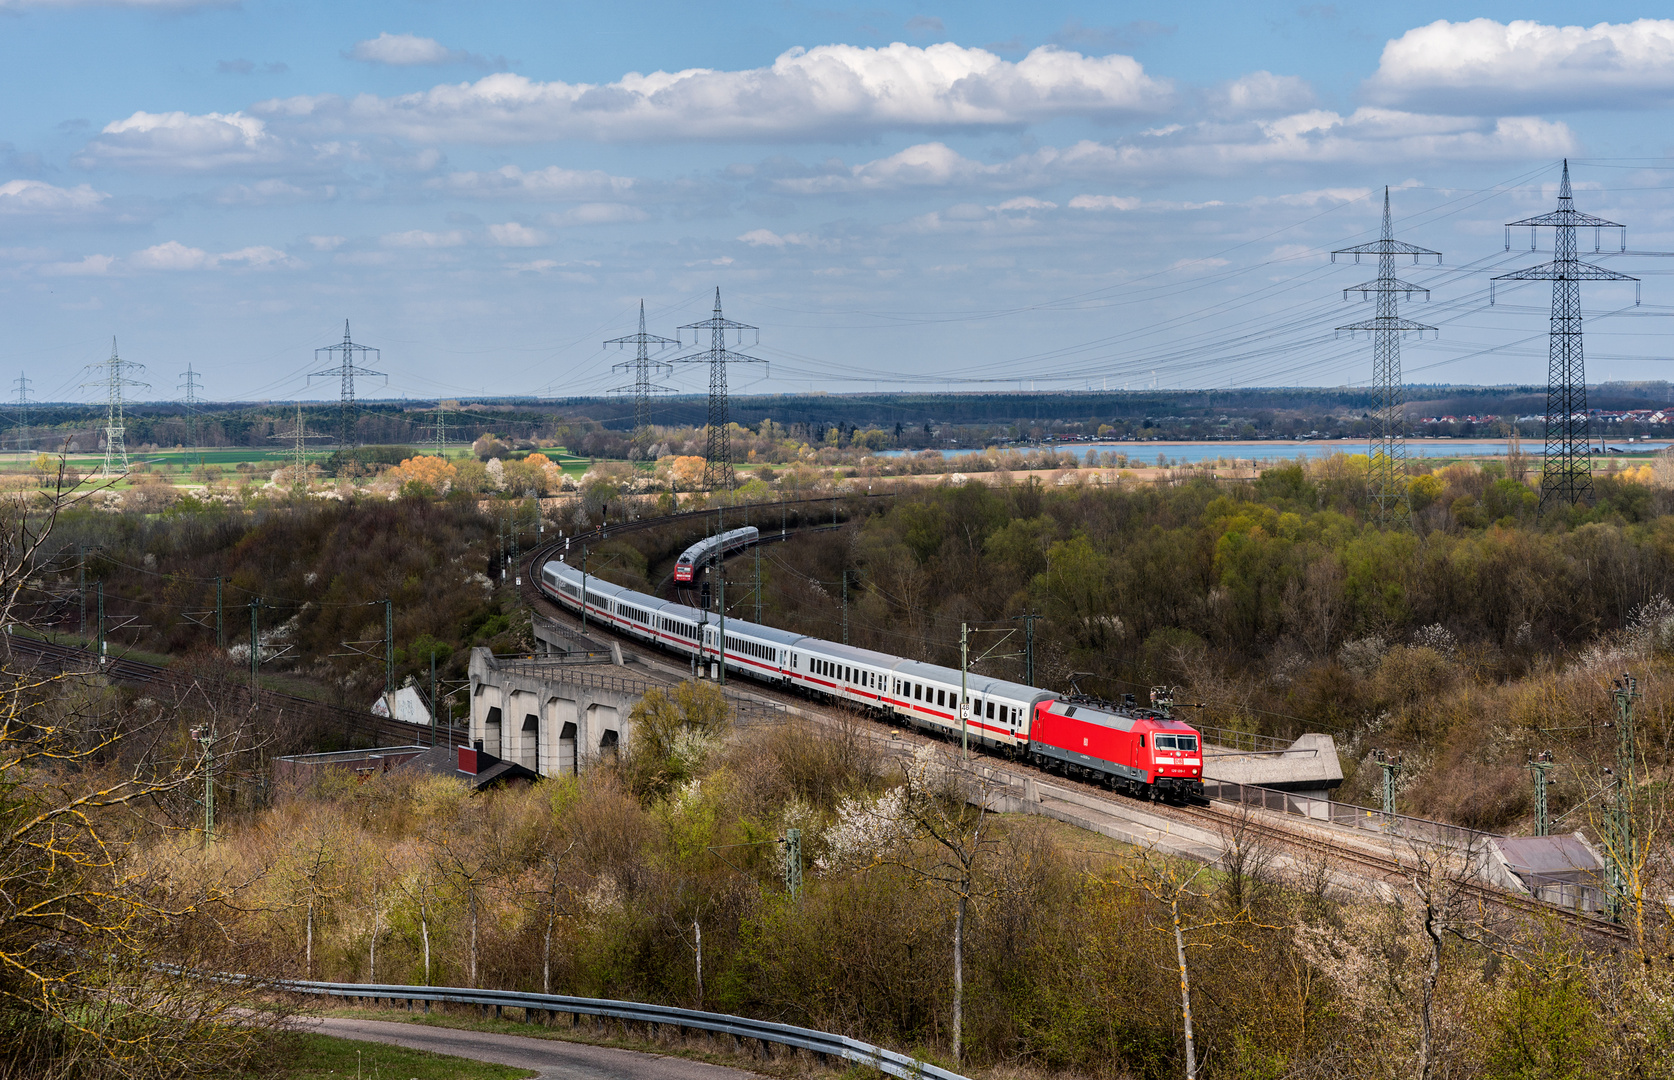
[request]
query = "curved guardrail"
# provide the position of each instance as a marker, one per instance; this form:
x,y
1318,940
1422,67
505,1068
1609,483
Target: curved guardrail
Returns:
x,y
764,1032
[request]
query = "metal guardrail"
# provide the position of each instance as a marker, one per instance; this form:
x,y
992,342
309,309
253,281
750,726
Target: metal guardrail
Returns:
x,y
584,647
1231,739
548,1006
1359,817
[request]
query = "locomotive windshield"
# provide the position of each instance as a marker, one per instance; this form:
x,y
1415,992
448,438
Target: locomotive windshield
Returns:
x,y
1187,743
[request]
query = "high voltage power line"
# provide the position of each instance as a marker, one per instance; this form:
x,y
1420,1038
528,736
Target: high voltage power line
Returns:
x,y
346,370
1388,445
21,384
643,368
191,401
115,383
717,459
1566,470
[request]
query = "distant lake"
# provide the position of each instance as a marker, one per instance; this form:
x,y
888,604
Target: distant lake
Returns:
x,y
1145,453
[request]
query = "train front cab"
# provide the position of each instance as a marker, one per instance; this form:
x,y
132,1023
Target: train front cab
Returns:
x,y
1176,759
1100,742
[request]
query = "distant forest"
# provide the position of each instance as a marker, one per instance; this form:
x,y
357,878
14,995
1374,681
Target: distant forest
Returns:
x,y
912,421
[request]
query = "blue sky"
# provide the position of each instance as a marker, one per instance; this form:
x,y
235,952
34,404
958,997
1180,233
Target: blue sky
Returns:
x,y
981,196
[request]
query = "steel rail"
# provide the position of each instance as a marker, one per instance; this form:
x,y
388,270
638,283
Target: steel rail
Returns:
x,y
549,1006
123,669
1390,867
1382,867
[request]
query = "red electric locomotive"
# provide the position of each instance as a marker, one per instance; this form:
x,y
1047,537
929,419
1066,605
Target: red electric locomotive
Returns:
x,y
1142,752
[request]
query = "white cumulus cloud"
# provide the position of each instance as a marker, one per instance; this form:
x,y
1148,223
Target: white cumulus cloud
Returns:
x,y
35,198
552,182
183,141
1104,202
1483,65
769,238
511,234
1263,93
418,238
1308,139
1025,202
272,193
406,50
173,255
829,91
597,214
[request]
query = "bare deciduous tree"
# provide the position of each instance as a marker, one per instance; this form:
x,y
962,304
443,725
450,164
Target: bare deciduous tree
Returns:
x,y
936,826
1174,886
97,946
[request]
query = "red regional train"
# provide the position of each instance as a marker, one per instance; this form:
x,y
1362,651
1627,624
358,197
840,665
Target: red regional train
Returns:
x,y
1141,751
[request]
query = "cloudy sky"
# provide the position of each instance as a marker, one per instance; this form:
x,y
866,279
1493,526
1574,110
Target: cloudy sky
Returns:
x,y
976,196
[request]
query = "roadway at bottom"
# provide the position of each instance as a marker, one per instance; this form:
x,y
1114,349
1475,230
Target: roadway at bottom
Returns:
x,y
551,1059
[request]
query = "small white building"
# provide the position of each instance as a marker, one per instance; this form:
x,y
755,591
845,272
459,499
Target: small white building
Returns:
x,y
406,705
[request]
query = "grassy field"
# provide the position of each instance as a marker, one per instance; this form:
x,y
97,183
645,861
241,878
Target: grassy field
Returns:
x,y
316,1057
181,462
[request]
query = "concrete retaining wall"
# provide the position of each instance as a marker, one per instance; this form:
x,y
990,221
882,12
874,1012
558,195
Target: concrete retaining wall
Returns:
x,y
548,720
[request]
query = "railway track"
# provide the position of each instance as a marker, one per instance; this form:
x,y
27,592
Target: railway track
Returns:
x,y
52,655
1345,853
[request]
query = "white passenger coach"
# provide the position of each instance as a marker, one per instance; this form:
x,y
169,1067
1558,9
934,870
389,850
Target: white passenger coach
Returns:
x,y
924,695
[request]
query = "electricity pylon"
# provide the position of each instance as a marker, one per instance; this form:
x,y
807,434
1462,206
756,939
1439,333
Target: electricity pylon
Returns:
x,y
21,385
717,461
345,370
115,381
1566,473
299,437
439,430
191,386
1387,442
643,368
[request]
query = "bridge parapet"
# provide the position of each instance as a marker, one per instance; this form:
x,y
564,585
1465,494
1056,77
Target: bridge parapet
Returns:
x,y
1306,766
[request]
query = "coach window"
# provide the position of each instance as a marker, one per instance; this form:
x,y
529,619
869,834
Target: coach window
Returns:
x,y
991,710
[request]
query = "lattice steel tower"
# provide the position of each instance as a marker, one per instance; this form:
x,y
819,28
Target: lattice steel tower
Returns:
x,y
439,430
115,381
298,437
21,385
1566,474
717,463
1387,442
346,370
643,367
191,386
